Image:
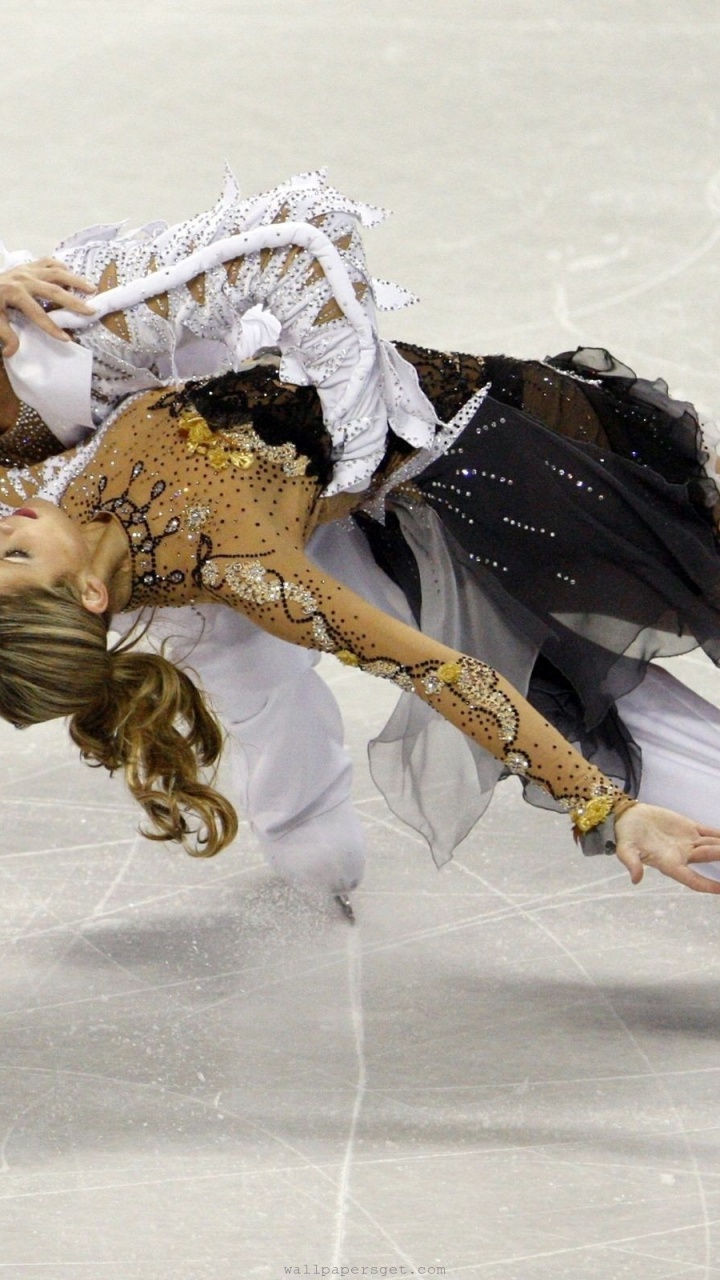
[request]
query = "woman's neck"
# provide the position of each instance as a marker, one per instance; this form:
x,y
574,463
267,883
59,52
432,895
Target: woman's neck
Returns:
x,y
111,561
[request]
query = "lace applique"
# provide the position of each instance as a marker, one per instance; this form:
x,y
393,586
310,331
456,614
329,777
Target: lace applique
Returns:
x,y
456,385
390,481
254,399
447,378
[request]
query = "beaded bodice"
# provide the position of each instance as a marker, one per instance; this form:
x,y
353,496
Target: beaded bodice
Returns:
x,y
178,500
279,412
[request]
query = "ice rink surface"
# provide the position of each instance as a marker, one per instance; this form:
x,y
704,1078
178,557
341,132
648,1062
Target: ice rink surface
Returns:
x,y
510,1069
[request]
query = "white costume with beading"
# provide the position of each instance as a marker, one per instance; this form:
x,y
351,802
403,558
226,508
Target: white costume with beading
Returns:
x,y
297,280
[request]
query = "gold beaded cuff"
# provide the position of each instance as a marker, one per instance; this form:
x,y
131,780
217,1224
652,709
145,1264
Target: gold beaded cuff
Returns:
x,y
592,812
602,838
595,813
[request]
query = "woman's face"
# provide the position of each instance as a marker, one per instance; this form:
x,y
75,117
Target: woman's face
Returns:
x,y
39,545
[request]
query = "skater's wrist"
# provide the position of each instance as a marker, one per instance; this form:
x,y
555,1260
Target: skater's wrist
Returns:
x,y
594,827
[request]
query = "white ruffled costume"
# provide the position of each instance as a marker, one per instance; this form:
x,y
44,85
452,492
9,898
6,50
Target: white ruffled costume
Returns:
x,y
302,286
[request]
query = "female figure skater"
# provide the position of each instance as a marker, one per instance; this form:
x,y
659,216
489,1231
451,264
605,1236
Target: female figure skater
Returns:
x,y
360,373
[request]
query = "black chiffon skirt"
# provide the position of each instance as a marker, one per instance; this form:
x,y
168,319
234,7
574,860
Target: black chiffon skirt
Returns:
x,y
578,501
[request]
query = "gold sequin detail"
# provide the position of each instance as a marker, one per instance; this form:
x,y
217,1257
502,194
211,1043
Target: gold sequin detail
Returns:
x,y
449,672
591,813
237,448
348,658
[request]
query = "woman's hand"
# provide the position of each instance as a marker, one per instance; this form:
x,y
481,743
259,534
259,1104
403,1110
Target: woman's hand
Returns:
x,y
651,837
33,288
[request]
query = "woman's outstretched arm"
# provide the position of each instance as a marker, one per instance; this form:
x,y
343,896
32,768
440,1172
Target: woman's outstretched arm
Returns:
x,y
283,592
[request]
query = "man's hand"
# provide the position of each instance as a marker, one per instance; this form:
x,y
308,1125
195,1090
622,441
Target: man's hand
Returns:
x,y
34,288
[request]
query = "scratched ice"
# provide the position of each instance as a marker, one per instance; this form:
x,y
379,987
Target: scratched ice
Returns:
x,y
509,1070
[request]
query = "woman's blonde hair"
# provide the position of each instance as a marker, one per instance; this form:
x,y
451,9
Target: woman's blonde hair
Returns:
x,y
127,710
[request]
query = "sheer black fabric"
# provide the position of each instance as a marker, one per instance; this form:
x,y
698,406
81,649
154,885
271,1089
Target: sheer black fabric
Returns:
x,y
643,423
587,501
